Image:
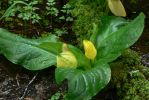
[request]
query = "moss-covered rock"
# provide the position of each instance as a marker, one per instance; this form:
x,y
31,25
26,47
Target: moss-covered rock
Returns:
x,y
130,78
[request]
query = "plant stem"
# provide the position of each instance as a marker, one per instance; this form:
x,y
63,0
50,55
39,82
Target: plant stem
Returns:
x,y
106,11
89,66
51,22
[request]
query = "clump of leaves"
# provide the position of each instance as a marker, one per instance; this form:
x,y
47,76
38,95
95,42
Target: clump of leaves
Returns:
x,y
51,10
23,10
29,12
86,74
60,32
67,9
30,15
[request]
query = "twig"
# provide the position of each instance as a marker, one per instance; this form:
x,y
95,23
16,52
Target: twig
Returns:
x,y
17,80
30,82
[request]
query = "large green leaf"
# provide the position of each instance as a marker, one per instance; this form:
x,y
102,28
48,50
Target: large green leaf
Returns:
x,y
55,48
108,25
82,85
26,52
115,35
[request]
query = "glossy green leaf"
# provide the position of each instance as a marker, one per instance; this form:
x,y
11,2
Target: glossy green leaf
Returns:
x,y
109,24
82,85
55,48
115,35
26,52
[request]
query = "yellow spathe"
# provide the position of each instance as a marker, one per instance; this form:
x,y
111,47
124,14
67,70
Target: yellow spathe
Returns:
x,y
90,50
66,59
117,7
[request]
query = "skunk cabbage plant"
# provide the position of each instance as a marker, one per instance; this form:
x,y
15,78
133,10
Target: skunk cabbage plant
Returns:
x,y
88,70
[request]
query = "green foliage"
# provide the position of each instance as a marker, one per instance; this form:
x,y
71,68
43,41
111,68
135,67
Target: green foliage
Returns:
x,y
12,9
86,12
29,12
51,9
60,32
57,96
27,52
131,58
84,84
130,78
23,10
90,76
110,38
32,14
67,9
80,80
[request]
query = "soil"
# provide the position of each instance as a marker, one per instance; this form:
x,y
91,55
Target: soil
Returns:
x,y
17,83
142,45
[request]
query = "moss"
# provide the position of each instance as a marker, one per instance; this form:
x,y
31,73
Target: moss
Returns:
x,y
129,77
86,13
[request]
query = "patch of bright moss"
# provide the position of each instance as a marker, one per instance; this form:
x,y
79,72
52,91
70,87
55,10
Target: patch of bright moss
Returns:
x,y
86,13
129,77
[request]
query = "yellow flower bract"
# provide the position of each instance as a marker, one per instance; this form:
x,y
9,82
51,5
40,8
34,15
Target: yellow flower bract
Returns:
x,y
90,50
117,7
66,59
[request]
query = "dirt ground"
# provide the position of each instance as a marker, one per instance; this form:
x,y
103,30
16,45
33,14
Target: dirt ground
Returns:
x,y
17,83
